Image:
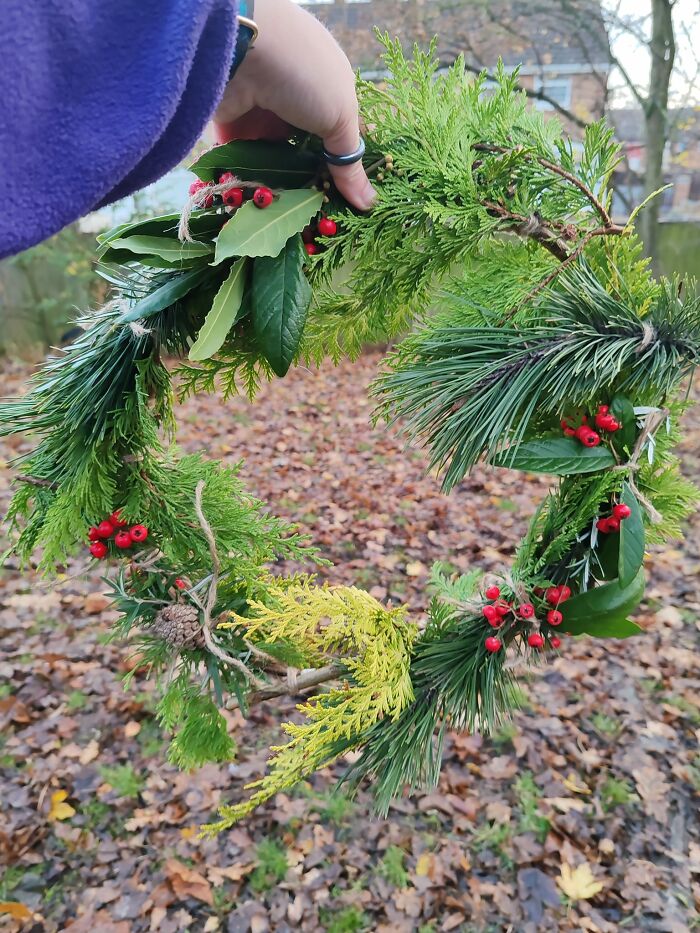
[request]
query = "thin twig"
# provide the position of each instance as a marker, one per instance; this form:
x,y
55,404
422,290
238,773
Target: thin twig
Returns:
x,y
208,606
652,423
614,230
557,170
306,679
35,481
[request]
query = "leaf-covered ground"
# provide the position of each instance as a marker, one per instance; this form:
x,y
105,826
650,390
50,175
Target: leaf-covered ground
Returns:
x,y
580,815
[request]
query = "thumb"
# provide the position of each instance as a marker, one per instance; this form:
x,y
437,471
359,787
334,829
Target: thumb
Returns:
x,y
350,180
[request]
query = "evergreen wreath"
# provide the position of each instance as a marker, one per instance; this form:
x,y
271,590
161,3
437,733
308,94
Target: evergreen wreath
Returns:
x,y
552,350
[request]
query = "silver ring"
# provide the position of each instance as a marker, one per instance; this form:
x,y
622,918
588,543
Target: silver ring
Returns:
x,y
348,159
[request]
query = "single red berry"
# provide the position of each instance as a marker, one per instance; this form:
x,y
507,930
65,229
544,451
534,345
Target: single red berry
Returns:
x,y
493,592
123,539
602,421
93,534
554,617
226,178
233,197
526,610
490,613
98,549
569,432
564,593
311,248
263,197
492,644
613,524
603,409
584,419
105,529
553,595
502,607
535,640
180,584
138,533
622,511
587,436
200,185
603,525
611,424
564,424
117,520
555,642
327,227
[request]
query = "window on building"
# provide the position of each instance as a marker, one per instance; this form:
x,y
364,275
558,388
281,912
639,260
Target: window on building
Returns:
x,y
559,89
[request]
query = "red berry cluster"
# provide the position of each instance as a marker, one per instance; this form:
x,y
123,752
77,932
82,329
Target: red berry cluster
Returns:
x,y
234,197
496,613
114,528
588,436
325,226
611,523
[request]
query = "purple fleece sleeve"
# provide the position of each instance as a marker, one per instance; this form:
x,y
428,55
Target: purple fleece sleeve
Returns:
x,y
98,99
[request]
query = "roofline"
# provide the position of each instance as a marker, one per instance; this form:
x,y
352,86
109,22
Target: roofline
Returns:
x,y
527,70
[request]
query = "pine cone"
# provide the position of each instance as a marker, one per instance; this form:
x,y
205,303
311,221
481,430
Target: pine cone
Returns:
x,y
179,626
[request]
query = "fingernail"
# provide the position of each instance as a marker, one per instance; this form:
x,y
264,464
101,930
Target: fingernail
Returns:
x,y
367,197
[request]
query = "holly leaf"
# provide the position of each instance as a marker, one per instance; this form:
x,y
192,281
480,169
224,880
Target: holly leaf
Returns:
x,y
603,610
579,883
623,409
255,232
222,315
60,810
279,165
631,554
159,299
165,247
559,456
280,300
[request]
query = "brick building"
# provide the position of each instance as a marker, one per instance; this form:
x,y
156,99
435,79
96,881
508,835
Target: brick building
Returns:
x,y
562,47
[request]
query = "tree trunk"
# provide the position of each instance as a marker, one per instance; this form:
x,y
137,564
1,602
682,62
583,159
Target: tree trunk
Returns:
x,y
663,53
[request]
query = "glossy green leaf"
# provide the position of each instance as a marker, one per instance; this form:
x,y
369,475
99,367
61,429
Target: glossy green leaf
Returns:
x,y
165,247
280,300
611,628
603,610
625,438
278,165
631,554
559,456
222,315
122,256
255,232
160,299
201,223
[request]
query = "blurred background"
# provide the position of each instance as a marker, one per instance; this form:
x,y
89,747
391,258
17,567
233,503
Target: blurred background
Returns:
x,y
634,63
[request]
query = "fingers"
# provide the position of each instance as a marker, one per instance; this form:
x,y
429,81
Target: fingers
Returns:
x,y
350,180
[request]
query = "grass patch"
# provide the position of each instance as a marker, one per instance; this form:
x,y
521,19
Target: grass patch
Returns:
x,y
529,796
272,865
393,867
607,726
348,920
125,781
76,700
616,792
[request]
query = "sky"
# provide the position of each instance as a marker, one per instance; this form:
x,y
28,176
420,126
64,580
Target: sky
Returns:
x,y
627,48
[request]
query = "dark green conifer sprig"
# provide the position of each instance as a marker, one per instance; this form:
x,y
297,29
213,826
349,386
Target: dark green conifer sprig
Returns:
x,y
469,392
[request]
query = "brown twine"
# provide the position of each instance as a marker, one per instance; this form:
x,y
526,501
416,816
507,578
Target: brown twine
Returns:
x,y
648,338
198,199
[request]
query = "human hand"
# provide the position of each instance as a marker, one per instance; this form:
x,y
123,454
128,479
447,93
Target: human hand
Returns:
x,y
296,75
